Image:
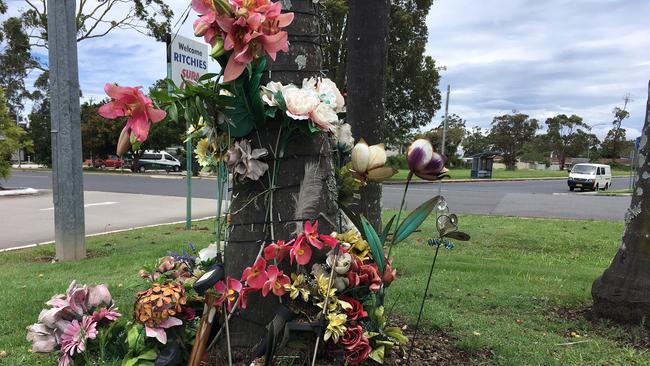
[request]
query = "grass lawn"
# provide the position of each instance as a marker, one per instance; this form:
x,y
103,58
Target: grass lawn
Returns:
x,y
506,174
496,291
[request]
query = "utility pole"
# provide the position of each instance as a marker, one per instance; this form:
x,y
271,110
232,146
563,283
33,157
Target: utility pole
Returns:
x,y
444,133
67,176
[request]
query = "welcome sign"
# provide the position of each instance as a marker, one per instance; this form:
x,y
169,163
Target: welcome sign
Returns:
x,y
189,59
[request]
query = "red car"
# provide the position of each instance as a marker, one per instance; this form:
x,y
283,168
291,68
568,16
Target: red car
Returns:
x,y
111,161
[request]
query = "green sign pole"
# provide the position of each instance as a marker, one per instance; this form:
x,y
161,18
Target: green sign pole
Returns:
x,y
188,145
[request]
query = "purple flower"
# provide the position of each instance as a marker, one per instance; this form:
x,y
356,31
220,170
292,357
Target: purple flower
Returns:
x,y
109,314
76,334
423,161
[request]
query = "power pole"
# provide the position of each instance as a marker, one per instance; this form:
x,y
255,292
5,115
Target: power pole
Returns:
x,y
444,133
67,175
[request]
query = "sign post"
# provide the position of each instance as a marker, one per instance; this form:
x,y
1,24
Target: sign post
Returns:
x,y
186,60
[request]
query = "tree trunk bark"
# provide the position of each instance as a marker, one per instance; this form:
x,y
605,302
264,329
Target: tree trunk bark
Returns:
x,y
368,24
623,291
247,228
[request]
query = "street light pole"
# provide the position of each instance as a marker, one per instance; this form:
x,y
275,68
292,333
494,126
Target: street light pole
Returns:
x,y
67,175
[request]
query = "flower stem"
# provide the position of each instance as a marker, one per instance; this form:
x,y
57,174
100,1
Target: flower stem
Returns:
x,y
399,213
426,291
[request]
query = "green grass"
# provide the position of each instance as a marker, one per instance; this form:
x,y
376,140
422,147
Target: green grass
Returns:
x,y
505,174
515,269
512,269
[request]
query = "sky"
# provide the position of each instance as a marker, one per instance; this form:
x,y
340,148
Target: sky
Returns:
x,y
541,58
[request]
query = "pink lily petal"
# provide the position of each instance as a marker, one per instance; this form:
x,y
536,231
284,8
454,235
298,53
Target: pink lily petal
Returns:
x,y
156,115
233,69
157,333
285,19
139,125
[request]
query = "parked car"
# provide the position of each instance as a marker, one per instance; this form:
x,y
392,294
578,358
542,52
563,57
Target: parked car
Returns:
x,y
156,160
590,176
111,161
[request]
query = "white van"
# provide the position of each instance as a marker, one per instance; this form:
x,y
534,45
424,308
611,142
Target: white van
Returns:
x,y
158,160
590,176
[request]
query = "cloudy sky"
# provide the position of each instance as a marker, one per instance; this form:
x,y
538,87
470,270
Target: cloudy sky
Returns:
x,y
539,57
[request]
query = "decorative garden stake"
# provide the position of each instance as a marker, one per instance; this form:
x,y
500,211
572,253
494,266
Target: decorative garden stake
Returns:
x,y
447,225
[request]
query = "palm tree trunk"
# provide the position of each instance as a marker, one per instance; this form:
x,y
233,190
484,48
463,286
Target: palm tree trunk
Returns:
x,y
250,225
623,291
368,24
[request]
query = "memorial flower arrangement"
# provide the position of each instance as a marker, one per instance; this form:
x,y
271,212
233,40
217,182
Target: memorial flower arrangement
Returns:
x,y
334,283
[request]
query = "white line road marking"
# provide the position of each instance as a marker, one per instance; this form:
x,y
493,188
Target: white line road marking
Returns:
x,y
86,205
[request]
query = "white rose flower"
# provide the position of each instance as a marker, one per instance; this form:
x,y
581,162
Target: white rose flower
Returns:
x,y
324,117
300,102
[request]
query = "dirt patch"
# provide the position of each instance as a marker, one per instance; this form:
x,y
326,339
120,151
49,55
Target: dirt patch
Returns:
x,y
636,336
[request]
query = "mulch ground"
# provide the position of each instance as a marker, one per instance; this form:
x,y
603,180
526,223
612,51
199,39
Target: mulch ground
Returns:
x,y
635,336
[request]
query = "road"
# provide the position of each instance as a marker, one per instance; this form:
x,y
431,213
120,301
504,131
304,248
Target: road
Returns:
x,y
150,199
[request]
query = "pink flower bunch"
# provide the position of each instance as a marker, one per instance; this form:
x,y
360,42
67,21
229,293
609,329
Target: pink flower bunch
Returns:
x,y
132,103
72,320
361,274
248,28
318,100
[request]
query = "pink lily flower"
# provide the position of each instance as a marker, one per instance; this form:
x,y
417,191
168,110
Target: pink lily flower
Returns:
x,y
243,296
277,280
256,275
278,251
252,28
228,291
315,239
300,251
159,331
130,102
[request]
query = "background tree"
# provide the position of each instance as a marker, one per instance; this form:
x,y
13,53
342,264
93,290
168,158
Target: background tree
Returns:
x,y
616,144
412,95
616,136
621,292
28,31
11,138
39,132
537,150
98,134
510,133
561,134
456,132
476,141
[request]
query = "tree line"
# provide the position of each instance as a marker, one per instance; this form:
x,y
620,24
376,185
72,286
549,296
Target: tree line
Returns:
x,y
518,137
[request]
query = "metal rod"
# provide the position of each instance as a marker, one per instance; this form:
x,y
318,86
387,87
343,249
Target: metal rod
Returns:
x,y
327,297
225,317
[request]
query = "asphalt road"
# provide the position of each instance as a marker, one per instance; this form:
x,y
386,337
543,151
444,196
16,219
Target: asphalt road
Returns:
x,y
533,198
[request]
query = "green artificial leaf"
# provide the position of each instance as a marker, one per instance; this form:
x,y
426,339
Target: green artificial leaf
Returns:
x,y
356,221
313,128
415,219
172,112
271,112
149,354
377,354
384,234
207,76
458,235
375,244
132,336
203,112
279,99
397,334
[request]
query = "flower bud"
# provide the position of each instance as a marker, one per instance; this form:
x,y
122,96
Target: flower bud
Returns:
x,y
124,142
217,49
423,161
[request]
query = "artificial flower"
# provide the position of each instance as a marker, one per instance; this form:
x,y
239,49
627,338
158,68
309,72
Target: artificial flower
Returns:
x,y
342,264
43,338
276,282
248,28
352,336
300,102
330,95
364,275
256,275
278,250
335,326
243,296
356,311
324,117
310,232
188,313
243,161
109,314
228,291
355,244
157,307
369,162
130,102
344,139
389,273
74,338
359,353
298,287
208,253
65,360
424,162
300,251
270,90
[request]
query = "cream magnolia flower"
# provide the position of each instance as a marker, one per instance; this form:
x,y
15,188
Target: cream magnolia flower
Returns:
x,y
269,91
368,162
208,253
300,102
342,265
